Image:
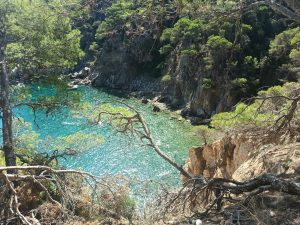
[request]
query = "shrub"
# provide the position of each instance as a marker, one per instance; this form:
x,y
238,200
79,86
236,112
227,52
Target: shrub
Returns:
x,y
166,78
207,83
127,206
239,82
189,52
205,133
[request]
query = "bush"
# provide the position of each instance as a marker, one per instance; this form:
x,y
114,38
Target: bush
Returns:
x,y
204,132
207,83
218,43
166,78
189,52
239,82
127,207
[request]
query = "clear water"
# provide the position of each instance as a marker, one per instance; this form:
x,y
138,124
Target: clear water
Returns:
x,y
119,154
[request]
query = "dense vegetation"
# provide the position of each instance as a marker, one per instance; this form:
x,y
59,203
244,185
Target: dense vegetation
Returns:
x,y
202,40
40,37
206,55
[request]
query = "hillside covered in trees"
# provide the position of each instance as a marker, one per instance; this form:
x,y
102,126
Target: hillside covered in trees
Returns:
x,y
203,56
73,154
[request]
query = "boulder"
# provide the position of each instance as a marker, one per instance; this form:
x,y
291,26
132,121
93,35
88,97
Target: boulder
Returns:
x,y
156,108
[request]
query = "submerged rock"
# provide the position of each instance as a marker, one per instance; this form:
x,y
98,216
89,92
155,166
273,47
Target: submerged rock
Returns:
x,y
156,109
73,86
145,100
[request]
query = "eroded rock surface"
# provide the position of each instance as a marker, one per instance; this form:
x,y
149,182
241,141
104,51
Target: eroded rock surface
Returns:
x,y
241,158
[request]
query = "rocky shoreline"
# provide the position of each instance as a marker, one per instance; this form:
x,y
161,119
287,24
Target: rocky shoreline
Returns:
x,y
138,88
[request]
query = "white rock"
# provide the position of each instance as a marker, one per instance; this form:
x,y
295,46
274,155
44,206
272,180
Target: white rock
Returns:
x,y
272,214
199,222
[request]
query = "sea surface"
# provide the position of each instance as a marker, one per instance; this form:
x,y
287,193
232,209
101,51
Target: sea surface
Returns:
x,y
118,154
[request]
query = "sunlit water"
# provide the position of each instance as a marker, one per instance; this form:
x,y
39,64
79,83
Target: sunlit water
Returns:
x,y
119,154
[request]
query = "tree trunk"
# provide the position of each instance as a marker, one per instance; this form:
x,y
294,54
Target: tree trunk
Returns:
x,y
8,146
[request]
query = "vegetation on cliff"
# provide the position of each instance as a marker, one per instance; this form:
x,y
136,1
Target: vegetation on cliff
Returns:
x,y
206,55
211,49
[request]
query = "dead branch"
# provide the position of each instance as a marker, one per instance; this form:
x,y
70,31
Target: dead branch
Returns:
x,y
136,124
45,159
43,179
197,186
280,116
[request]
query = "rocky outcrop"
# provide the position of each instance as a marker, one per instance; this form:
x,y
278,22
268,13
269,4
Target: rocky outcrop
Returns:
x,y
280,160
146,85
188,89
124,67
241,157
118,68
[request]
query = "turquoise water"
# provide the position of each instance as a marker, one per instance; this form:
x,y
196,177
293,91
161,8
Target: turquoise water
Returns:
x,y
118,154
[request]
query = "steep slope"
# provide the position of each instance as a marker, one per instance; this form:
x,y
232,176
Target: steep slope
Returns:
x,y
200,57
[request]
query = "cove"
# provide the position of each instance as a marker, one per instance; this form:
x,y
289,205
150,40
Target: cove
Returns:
x,y
119,153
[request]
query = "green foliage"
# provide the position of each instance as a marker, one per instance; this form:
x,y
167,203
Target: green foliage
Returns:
x,y
295,52
241,116
43,37
235,45
184,28
127,206
204,132
117,14
264,111
207,83
189,52
285,42
240,83
218,43
166,78
165,49
59,97
251,62
218,48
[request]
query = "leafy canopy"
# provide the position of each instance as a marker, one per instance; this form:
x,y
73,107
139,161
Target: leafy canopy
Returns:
x,y
41,36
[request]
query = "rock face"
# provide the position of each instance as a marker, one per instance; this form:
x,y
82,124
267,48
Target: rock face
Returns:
x,y
118,68
187,88
240,158
281,159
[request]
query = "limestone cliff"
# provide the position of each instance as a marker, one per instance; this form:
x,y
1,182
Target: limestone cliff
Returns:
x,y
240,157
